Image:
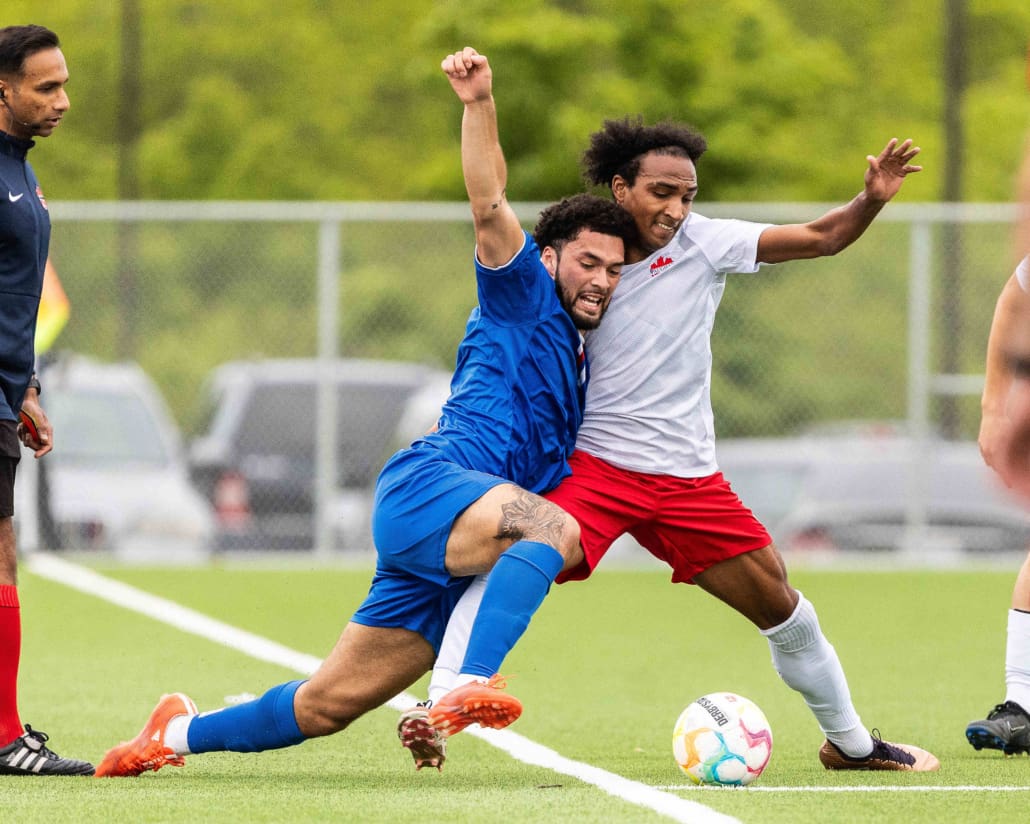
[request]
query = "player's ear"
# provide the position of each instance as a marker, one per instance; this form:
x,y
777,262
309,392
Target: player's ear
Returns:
x,y
619,188
549,257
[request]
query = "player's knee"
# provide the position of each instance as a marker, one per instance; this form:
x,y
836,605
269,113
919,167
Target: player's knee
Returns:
x,y
569,545
319,712
552,525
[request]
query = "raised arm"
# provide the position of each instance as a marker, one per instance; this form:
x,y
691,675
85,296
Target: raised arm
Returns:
x,y
840,227
499,234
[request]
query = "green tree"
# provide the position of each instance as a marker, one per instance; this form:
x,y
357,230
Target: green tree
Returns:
x,y
342,100
336,99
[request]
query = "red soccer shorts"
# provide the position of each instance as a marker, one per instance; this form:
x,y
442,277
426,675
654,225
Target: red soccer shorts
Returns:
x,y
689,523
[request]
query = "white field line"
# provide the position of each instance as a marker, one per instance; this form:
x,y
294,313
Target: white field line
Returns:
x,y
521,748
964,788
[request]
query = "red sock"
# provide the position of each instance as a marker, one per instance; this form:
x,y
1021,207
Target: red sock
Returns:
x,y
10,654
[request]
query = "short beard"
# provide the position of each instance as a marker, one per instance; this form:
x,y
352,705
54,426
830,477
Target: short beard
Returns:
x,y
567,302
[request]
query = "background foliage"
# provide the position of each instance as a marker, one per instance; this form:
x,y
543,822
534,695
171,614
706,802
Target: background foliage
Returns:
x,y
341,100
338,99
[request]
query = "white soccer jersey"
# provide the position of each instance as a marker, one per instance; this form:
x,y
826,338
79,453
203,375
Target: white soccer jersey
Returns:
x,y
648,403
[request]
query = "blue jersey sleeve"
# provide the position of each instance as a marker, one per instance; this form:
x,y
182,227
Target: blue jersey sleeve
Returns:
x,y
521,291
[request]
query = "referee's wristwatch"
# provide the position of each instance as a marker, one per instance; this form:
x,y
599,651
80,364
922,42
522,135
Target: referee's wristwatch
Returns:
x,y
34,384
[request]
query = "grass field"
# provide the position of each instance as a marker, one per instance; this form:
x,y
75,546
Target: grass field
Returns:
x,y
603,671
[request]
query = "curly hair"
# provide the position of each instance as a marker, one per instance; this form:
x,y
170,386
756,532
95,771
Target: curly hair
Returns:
x,y
20,42
618,147
563,221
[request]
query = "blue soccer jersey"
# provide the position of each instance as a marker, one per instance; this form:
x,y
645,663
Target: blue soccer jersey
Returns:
x,y
512,417
515,402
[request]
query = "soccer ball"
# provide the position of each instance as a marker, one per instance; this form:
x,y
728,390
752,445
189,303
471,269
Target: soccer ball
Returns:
x,y
722,738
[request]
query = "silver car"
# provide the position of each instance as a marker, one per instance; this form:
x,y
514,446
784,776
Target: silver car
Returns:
x,y
874,490
117,479
257,457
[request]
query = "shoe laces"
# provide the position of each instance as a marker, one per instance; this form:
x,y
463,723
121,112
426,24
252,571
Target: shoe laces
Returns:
x,y
888,752
1006,708
40,738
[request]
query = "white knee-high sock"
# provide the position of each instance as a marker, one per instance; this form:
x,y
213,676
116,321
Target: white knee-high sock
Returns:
x,y
808,663
1017,659
456,640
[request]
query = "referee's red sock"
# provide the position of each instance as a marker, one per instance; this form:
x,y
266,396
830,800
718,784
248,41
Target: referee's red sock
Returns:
x,y
10,654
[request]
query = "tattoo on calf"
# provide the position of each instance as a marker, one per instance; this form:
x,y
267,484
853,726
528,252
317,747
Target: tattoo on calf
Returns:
x,y
529,517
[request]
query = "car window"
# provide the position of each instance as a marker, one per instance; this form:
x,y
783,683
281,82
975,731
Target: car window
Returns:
x,y
207,413
279,420
367,421
104,428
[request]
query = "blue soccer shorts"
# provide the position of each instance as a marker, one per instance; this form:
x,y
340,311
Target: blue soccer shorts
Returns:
x,y
419,495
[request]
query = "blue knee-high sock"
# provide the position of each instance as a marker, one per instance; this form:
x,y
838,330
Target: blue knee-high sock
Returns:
x,y
516,587
266,723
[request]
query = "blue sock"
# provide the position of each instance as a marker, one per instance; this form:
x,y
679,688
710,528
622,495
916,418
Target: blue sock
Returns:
x,y
516,587
266,723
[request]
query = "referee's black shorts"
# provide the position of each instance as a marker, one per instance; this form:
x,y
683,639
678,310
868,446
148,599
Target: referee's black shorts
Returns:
x,y
10,453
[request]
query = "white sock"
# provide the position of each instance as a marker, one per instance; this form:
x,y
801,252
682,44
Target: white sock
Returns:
x,y
467,678
175,734
455,641
808,663
1017,659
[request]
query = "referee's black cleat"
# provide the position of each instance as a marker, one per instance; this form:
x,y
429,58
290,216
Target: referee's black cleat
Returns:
x,y
1006,728
29,755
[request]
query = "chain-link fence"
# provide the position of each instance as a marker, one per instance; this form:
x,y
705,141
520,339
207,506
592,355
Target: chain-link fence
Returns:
x,y
883,344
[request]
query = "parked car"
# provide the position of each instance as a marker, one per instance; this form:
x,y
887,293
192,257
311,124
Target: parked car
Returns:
x,y
856,491
422,410
117,479
255,460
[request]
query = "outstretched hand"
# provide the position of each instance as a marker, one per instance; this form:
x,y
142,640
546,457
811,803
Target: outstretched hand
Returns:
x,y
887,171
469,73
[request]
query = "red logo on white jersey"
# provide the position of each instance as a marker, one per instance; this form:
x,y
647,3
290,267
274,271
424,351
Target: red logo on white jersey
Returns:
x,y
39,194
660,264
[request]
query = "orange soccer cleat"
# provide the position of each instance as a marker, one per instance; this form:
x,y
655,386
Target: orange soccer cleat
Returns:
x,y
475,703
147,751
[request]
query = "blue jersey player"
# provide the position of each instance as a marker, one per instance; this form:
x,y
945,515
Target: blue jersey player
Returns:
x,y
464,499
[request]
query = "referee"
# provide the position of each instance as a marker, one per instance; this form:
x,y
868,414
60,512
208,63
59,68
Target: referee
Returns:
x,y
32,102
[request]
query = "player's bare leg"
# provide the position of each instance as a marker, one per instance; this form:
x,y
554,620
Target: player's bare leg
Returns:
x,y
367,667
755,584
